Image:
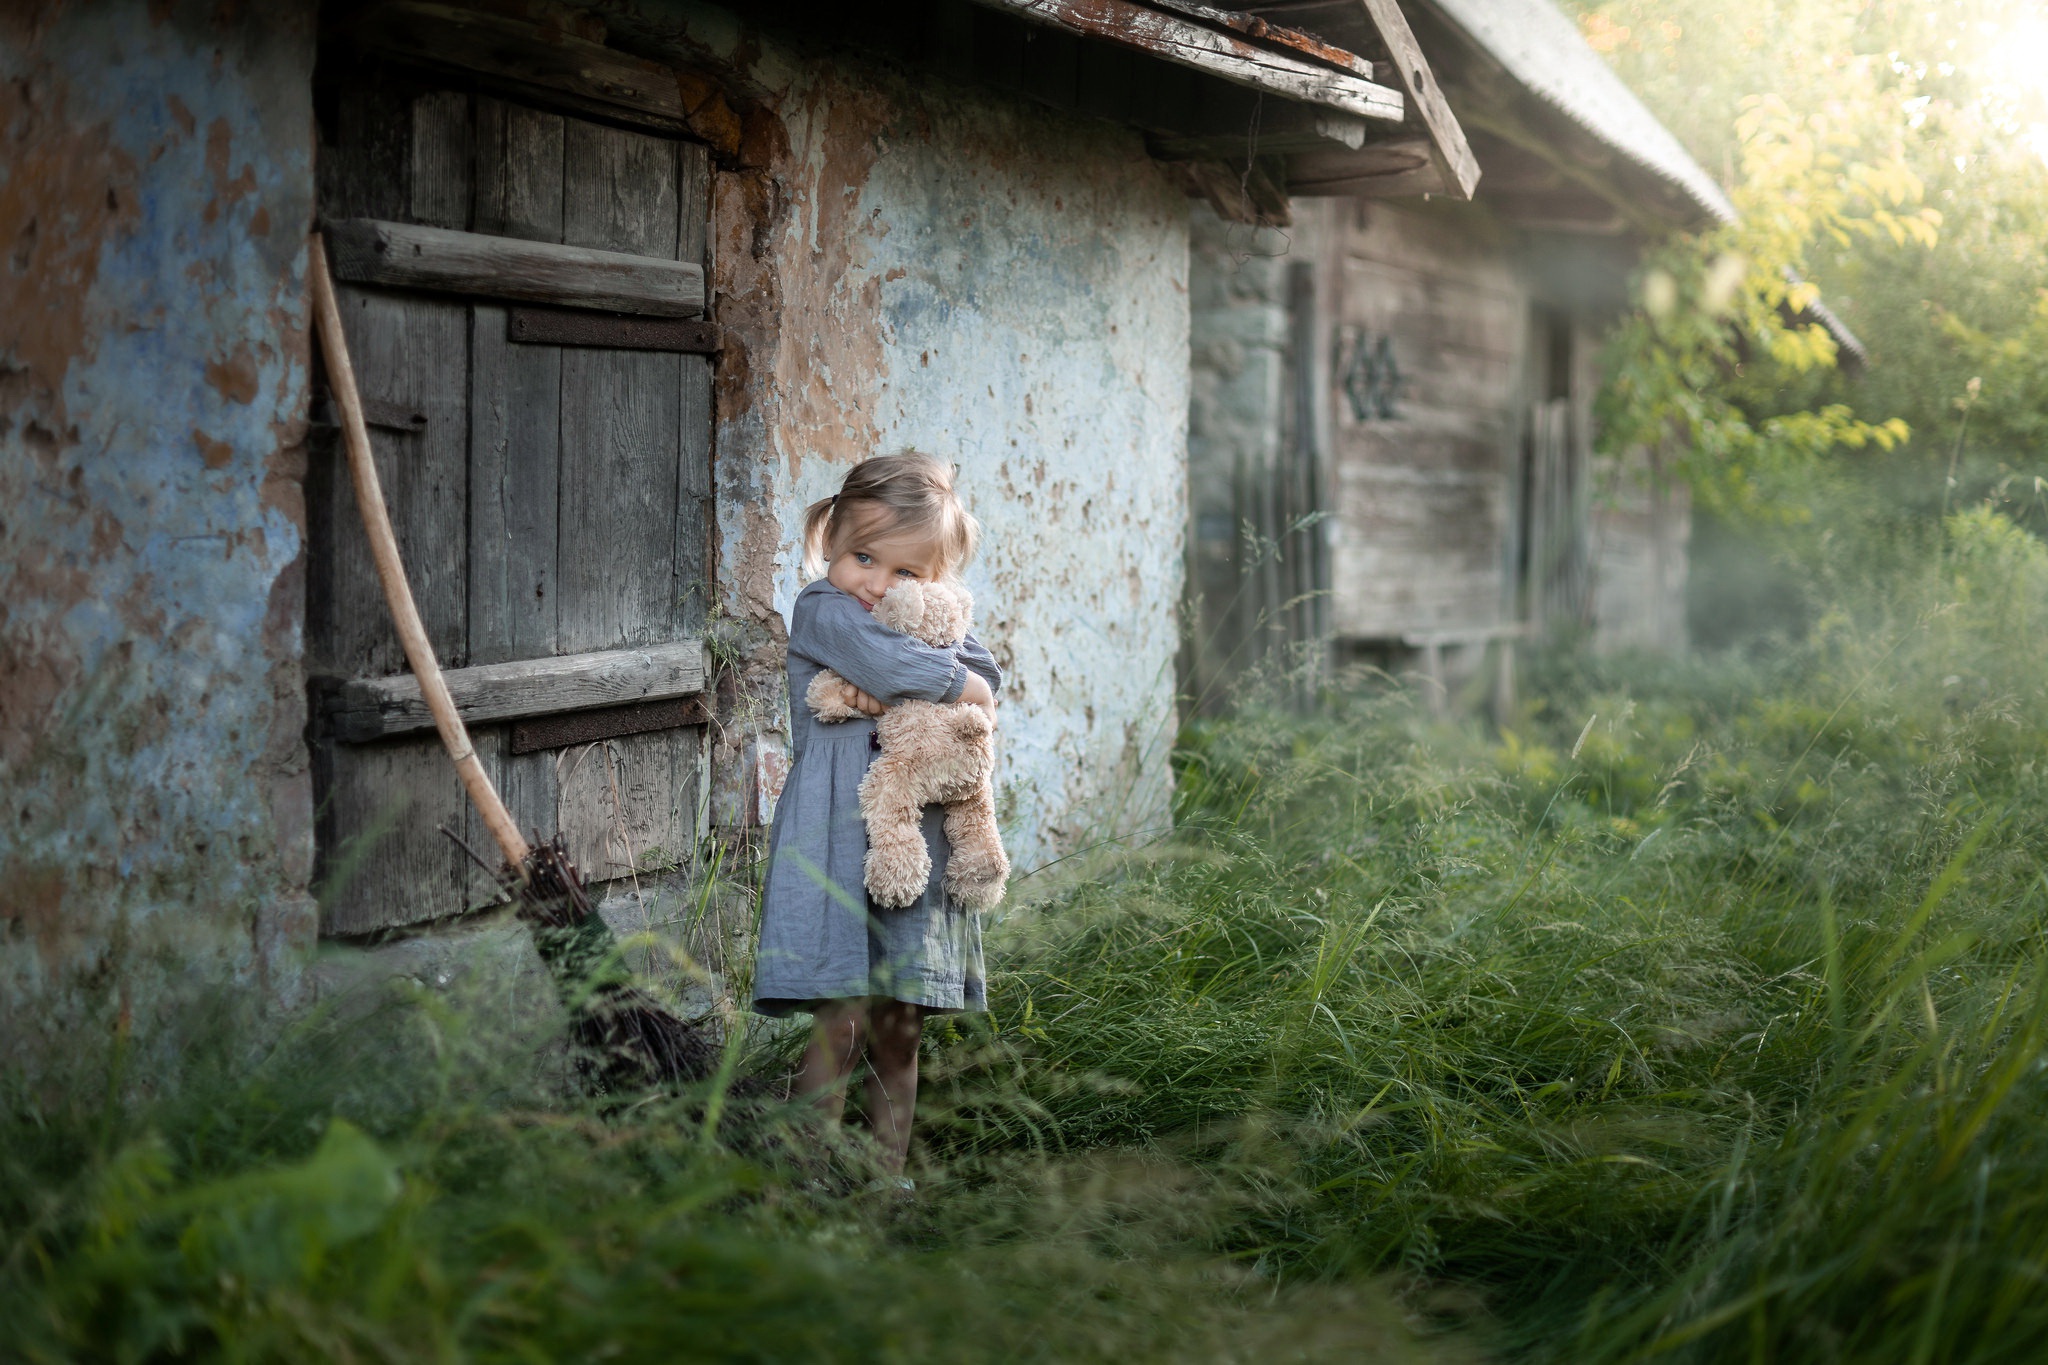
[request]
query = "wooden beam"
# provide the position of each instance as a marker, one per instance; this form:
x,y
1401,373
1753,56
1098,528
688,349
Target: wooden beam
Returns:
x,y
1259,29
1282,130
1396,168
547,327
546,62
606,722
1249,194
376,708
1427,108
408,256
1212,51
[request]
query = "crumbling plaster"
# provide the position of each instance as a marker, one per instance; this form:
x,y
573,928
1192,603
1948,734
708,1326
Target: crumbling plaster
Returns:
x,y
155,188
896,261
908,264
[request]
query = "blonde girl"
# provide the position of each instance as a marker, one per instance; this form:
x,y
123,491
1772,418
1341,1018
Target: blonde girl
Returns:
x,y
867,974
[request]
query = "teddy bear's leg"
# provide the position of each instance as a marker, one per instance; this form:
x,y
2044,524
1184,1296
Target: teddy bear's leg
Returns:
x,y
899,866
978,868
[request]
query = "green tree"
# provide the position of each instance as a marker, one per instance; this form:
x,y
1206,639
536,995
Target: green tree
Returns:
x,y
1890,155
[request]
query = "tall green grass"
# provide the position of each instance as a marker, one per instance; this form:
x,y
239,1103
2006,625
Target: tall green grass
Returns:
x,y
1701,1014
402,1189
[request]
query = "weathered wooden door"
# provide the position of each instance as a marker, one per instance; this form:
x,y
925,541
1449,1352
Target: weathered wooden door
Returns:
x,y
548,470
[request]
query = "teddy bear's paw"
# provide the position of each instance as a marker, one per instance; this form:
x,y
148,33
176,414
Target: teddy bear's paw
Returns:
x,y
830,698
977,873
897,877
976,894
969,726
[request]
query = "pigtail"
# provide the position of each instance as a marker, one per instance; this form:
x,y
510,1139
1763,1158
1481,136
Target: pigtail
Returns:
x,y
818,534
912,491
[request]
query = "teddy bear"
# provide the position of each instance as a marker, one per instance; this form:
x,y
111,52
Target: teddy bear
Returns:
x,y
941,752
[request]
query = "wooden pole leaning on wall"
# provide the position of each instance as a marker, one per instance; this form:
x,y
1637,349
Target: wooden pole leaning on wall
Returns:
x,y
405,614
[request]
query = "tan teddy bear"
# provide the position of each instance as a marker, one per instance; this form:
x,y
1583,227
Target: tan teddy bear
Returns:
x,y
931,752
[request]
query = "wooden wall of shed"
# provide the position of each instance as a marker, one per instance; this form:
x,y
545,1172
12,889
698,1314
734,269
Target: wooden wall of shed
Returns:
x,y
1425,500
1478,502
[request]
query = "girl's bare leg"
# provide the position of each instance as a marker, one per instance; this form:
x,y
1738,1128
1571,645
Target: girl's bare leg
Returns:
x,y
894,1028
836,1036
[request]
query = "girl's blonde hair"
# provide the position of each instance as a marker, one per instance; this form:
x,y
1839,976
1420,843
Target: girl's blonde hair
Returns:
x,y
913,491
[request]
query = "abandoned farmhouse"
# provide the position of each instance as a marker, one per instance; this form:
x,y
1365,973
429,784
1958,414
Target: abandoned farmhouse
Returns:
x,y
1248,330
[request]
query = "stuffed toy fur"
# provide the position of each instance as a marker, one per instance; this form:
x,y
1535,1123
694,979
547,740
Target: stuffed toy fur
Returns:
x,y
940,752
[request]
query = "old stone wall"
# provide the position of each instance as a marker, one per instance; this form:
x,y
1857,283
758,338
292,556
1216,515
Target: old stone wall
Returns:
x,y
155,191
1244,443
906,263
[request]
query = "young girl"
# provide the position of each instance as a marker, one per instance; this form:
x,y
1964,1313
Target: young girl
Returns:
x,y
866,973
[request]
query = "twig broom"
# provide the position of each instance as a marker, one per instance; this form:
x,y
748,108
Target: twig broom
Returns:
x,y
628,1039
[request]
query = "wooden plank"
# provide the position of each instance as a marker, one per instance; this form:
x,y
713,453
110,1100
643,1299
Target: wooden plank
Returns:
x,y
619,193
410,354
515,454
563,327
693,202
518,171
529,787
696,515
615,565
479,887
1251,194
1393,168
1261,30
1214,52
441,159
627,804
515,400
1449,151
364,159
621,411
606,722
1289,129
373,708
383,861
406,255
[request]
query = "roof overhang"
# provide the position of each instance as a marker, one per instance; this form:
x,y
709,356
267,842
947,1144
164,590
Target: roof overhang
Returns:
x,y
1363,106
1224,97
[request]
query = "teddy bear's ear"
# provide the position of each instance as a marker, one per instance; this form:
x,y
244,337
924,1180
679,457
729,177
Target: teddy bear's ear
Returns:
x,y
902,607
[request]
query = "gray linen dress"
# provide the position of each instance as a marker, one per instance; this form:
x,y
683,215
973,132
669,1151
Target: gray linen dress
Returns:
x,y
821,937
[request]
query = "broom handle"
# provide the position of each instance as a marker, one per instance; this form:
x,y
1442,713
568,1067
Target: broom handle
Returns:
x,y
419,652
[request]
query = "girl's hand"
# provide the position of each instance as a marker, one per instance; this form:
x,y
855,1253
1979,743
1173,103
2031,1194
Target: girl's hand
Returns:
x,y
864,703
979,693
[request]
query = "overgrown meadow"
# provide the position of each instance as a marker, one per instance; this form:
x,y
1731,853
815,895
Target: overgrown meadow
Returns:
x,y
1698,1014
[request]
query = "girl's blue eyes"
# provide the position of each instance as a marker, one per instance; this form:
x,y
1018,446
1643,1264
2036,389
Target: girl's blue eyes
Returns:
x,y
869,559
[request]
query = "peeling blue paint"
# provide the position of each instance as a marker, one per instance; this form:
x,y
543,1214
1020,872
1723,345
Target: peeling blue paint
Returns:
x,y
158,189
